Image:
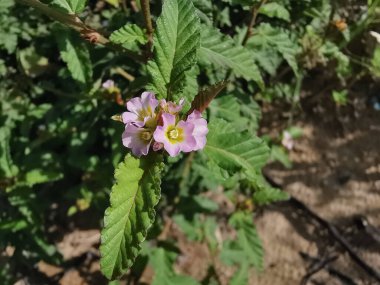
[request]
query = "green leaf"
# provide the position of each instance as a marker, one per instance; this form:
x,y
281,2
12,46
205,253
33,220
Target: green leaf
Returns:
x,y
191,88
247,248
176,43
278,153
275,10
226,108
242,2
375,62
204,98
270,40
162,261
265,193
235,150
222,52
6,163
38,176
129,34
69,6
241,275
76,55
127,220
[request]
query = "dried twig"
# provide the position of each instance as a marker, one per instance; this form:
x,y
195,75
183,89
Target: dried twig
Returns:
x,y
331,270
317,266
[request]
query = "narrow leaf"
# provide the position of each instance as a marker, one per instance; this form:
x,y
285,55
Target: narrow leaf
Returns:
x,y
204,98
127,220
176,42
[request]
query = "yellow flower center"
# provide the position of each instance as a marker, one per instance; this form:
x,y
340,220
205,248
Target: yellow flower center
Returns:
x,y
145,113
174,134
146,135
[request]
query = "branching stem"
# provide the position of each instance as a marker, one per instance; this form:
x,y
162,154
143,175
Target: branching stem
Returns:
x,y
254,13
74,22
145,6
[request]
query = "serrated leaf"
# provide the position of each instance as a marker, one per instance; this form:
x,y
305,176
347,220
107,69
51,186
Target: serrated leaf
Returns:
x,y
127,220
176,42
241,275
226,108
204,97
76,55
248,239
269,195
270,38
69,6
129,34
235,151
275,10
223,52
247,248
191,88
162,261
264,193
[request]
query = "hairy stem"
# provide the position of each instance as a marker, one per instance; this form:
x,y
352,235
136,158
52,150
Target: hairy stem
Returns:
x,y
254,13
74,22
145,6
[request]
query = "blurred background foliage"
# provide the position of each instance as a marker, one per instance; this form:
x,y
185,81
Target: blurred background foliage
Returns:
x,y
58,146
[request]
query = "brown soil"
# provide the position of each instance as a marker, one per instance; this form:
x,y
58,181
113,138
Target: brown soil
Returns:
x,y
336,173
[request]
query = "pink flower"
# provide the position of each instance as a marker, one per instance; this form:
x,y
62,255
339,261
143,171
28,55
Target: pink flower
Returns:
x,y
171,107
137,139
287,140
108,84
175,137
200,129
141,110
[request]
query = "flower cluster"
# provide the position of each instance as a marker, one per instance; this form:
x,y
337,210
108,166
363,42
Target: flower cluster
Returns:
x,y
150,123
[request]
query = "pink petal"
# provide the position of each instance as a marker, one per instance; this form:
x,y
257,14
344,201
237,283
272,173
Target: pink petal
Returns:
x,y
129,117
148,99
134,105
168,119
159,134
172,149
131,139
189,141
194,115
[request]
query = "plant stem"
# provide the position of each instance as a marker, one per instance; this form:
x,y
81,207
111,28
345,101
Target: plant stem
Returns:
x,y
125,74
145,6
74,22
254,12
